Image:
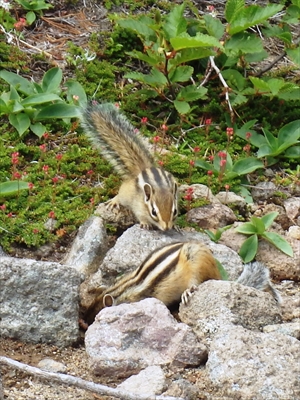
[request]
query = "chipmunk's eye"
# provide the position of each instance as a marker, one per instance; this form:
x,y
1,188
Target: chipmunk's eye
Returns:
x,y
154,213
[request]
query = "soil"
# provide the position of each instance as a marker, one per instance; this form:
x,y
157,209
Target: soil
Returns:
x,y
59,25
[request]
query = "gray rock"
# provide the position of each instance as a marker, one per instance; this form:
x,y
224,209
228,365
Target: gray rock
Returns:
x,y
217,304
136,244
231,198
183,389
1,389
212,216
292,208
254,366
263,191
47,364
130,337
39,301
150,381
288,328
89,247
199,192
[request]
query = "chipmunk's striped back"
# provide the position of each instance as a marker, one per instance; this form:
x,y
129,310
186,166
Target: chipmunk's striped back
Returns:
x,y
165,274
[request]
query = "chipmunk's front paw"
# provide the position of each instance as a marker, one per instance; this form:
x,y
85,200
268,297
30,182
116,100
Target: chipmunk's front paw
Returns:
x,y
187,294
113,204
146,226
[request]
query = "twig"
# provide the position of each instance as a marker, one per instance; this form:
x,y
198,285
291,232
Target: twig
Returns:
x,y
275,61
80,383
212,62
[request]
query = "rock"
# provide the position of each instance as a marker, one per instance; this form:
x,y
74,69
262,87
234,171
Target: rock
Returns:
x,y
183,389
47,364
39,301
281,265
127,338
254,366
263,191
199,192
122,218
236,202
212,216
217,304
294,232
291,329
1,389
136,244
89,246
150,381
292,208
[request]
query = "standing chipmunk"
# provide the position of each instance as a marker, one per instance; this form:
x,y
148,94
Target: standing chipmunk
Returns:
x,y
170,274
148,191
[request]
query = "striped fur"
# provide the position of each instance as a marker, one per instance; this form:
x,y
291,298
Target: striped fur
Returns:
x,y
165,274
149,192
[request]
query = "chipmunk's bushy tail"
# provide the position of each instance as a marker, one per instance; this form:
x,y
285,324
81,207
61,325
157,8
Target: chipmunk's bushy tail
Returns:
x,y
116,139
256,275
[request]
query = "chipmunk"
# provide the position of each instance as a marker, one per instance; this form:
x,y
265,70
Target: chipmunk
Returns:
x,y
148,191
171,274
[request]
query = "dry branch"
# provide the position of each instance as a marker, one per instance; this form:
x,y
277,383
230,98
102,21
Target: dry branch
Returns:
x,y
70,380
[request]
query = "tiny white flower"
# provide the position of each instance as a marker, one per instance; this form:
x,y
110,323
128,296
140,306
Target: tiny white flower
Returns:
x,y
5,4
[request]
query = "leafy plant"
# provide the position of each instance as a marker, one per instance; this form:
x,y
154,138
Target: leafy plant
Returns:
x,y
168,49
27,103
172,42
11,188
256,228
286,144
216,236
34,7
223,167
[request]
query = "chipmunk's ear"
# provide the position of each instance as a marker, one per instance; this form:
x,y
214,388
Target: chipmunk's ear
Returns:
x,y
147,191
108,300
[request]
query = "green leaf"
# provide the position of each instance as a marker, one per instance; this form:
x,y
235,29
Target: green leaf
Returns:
x,y
259,225
182,106
253,15
269,218
11,188
233,9
222,270
247,165
204,165
186,55
58,110
244,43
249,248
272,141
38,129
30,17
213,26
200,40
40,99
293,152
140,27
181,73
52,80
20,122
151,60
247,228
175,23
294,55
279,242
234,78
155,78
289,133
191,93
76,89
18,82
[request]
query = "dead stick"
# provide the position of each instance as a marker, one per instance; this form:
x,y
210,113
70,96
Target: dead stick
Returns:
x,y
80,383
